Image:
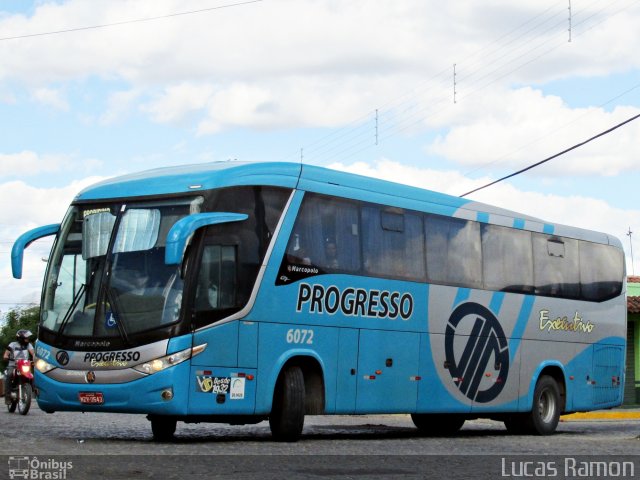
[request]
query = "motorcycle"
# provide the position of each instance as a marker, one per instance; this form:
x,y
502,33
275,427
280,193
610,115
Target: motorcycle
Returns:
x,y
21,389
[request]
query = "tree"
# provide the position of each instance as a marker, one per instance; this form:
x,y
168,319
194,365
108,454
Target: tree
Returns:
x,y
16,319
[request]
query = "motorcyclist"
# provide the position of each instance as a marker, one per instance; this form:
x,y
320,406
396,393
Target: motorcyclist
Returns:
x,y
21,348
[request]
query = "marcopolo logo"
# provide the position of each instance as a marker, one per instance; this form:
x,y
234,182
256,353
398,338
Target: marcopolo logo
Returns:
x,y
62,357
485,342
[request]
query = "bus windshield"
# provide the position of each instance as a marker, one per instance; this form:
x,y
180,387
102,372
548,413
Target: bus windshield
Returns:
x,y
107,276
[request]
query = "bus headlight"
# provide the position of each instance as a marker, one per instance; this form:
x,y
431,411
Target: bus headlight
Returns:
x,y
43,367
159,364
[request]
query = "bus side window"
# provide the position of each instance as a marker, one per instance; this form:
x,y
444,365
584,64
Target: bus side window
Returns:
x,y
453,251
393,244
215,289
556,266
507,261
326,235
601,271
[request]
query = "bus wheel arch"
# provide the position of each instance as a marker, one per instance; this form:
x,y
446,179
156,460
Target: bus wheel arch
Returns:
x,y
547,403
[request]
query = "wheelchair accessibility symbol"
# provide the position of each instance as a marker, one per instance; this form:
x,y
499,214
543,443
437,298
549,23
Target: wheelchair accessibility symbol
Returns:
x,y
486,351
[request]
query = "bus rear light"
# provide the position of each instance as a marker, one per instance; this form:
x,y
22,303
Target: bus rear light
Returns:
x,y
250,377
378,372
242,375
415,379
369,377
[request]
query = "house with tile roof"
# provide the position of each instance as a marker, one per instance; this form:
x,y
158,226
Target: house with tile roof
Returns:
x,y
632,384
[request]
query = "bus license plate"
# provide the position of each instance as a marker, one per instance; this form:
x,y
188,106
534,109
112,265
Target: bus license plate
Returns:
x,y
91,398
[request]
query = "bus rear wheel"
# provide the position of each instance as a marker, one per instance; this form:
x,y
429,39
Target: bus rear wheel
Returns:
x,y
287,413
438,424
163,428
545,412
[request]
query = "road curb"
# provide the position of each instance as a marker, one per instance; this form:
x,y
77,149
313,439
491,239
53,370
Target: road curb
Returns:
x,y
600,415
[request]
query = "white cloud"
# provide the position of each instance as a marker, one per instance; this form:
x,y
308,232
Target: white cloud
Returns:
x,y
274,63
30,163
515,128
294,102
177,101
24,206
50,97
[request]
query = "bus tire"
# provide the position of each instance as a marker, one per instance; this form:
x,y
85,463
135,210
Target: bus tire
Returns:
x,y
163,428
440,425
545,412
287,413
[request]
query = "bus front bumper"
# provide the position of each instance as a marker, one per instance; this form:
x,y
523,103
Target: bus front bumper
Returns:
x,y
162,393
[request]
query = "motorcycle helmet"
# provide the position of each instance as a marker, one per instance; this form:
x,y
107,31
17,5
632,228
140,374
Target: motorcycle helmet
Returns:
x,y
23,337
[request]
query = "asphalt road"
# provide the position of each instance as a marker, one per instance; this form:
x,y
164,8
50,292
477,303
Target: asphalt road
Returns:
x,y
380,446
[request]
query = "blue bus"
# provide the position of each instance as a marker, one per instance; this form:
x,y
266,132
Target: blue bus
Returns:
x,y
236,293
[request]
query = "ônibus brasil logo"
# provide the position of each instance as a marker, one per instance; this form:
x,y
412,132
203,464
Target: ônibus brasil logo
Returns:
x,y
486,341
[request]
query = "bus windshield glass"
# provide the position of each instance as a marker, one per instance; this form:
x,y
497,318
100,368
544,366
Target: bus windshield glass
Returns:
x,y
107,275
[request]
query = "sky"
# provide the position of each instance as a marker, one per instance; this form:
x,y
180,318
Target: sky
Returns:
x,y
447,96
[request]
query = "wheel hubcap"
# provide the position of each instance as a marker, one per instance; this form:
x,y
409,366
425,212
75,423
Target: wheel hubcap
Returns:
x,y
547,406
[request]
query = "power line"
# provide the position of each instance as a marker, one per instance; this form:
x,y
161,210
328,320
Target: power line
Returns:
x,y
487,66
127,22
629,120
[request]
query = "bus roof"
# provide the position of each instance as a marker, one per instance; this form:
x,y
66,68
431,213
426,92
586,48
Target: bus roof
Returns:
x,y
202,177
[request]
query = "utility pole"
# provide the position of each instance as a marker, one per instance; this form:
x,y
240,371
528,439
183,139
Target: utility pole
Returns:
x,y
569,21
376,127
633,271
455,84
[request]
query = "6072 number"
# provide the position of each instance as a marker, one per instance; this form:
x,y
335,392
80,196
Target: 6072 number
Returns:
x,y
297,335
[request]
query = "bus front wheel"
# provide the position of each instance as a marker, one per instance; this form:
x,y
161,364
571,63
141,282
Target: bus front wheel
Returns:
x,y
545,412
163,428
438,424
287,413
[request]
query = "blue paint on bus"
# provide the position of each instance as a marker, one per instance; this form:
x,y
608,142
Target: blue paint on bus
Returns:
x,y
373,296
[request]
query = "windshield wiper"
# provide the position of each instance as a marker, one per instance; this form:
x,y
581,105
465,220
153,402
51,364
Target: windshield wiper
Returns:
x,y
74,304
72,308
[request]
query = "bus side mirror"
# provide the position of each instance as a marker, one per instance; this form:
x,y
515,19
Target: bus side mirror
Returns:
x,y
184,228
24,240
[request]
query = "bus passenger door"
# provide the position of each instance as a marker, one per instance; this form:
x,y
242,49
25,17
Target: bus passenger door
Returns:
x,y
387,372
